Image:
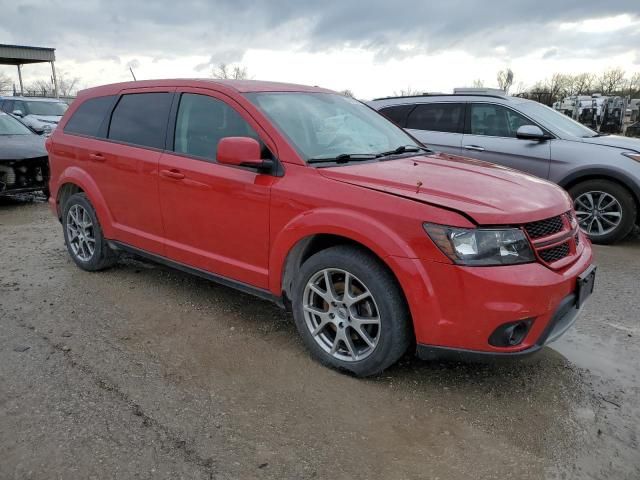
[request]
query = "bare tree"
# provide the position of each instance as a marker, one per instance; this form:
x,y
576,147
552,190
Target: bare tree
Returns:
x,y
583,83
611,81
347,93
5,82
478,83
558,85
39,87
406,92
634,85
67,86
519,88
505,79
224,72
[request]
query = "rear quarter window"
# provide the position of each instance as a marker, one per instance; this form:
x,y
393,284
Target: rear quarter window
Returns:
x,y
141,119
89,117
437,117
397,114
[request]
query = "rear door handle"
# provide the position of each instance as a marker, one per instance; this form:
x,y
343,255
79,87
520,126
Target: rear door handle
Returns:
x,y
474,148
96,157
175,174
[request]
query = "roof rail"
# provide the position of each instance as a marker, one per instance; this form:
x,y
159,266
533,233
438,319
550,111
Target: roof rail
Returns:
x,y
479,91
456,94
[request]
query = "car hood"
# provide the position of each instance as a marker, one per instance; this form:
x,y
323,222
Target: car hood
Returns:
x,y
489,194
46,118
19,147
617,141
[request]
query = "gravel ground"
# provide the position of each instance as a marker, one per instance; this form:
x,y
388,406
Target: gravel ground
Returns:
x,y
145,372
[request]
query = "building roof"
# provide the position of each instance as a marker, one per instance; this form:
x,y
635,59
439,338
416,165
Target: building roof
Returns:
x,y
20,54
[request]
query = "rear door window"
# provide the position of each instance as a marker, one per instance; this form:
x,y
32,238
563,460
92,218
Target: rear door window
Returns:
x,y
141,119
437,117
397,113
89,116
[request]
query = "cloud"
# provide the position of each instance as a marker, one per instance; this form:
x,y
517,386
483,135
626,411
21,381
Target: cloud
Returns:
x,y
225,29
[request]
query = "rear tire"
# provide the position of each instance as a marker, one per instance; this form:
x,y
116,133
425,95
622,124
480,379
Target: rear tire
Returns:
x,y
83,235
369,327
604,225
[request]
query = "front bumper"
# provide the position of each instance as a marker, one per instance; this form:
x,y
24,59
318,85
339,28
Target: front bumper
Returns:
x,y
564,317
458,308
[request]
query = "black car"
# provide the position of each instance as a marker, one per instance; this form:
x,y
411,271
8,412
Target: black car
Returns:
x,y
24,164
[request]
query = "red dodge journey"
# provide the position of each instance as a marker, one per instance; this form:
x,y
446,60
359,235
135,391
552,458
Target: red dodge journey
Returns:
x,y
315,201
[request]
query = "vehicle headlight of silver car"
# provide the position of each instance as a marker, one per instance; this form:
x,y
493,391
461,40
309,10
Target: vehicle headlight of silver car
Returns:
x,y
482,246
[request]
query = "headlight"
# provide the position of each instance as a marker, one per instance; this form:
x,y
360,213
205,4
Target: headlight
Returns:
x,y
632,156
482,247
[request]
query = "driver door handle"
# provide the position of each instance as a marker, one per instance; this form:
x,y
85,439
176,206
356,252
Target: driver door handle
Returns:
x,y
174,174
474,148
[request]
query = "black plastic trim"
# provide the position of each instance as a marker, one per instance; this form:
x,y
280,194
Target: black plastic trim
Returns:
x,y
602,174
228,282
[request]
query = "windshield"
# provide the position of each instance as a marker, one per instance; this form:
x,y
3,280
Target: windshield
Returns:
x,y
327,125
556,121
54,109
11,126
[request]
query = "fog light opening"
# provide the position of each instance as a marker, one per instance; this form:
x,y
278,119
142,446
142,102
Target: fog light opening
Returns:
x,y
510,334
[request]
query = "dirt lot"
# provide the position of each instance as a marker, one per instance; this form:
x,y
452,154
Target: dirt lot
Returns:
x,y
144,372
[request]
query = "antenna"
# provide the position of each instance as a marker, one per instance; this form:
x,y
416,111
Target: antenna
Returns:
x,y
133,74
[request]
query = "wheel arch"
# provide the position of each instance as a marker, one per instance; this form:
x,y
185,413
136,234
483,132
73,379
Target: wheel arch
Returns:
x,y
75,180
602,174
313,231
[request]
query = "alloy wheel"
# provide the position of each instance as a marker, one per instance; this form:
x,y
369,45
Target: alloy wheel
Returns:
x,y
80,233
341,314
598,213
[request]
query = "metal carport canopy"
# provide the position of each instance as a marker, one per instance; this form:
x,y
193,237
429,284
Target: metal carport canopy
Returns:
x,y
19,55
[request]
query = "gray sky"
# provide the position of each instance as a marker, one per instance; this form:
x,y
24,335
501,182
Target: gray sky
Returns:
x,y
373,47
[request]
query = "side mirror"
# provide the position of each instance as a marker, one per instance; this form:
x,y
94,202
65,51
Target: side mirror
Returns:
x,y
531,132
18,113
242,152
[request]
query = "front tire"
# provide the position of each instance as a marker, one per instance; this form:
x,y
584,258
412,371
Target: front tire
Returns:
x,y
606,211
83,235
350,311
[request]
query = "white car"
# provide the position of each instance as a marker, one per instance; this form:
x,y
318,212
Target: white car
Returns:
x,y
40,114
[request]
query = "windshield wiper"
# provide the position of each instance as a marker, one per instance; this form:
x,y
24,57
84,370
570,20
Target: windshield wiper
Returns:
x,y
404,149
344,158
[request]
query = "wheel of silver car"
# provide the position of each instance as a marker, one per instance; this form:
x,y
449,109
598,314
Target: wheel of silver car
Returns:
x,y
341,314
80,232
606,210
599,213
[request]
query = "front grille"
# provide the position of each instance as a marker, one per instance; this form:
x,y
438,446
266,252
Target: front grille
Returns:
x,y
554,254
544,228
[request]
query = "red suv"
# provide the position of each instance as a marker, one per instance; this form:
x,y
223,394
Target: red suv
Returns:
x,y
315,201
